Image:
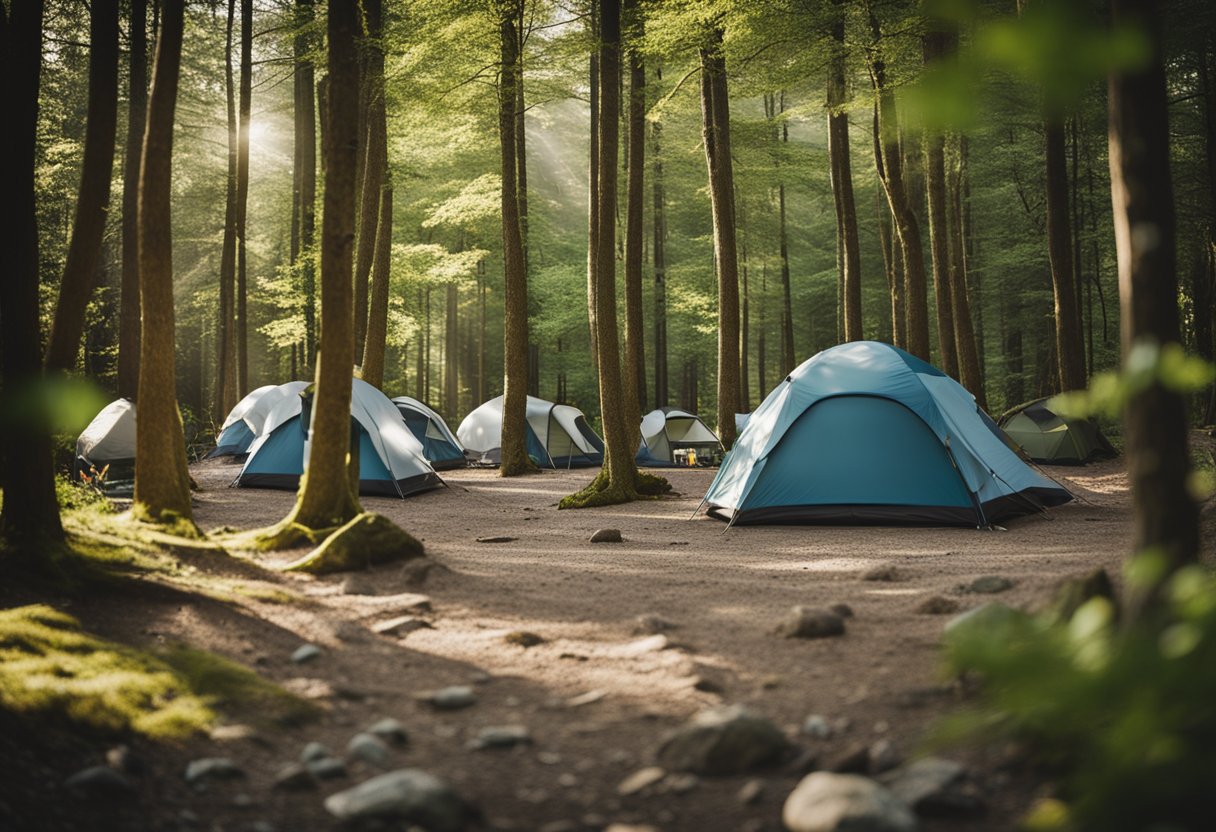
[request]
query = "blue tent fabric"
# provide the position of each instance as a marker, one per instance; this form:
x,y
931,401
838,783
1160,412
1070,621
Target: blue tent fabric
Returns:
x,y
866,433
439,445
235,439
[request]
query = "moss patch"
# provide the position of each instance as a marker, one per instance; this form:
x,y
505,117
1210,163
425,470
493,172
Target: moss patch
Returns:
x,y
230,686
367,540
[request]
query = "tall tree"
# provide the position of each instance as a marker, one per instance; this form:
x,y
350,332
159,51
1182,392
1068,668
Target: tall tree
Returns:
x,y
1165,518
30,513
84,250
374,161
242,199
788,357
593,158
715,133
841,170
377,318
137,105
305,171
1070,346
227,380
515,458
634,383
969,373
659,247
935,43
162,484
371,347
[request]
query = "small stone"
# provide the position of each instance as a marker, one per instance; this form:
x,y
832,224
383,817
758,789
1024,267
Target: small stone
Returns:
x,y
452,698
326,768
496,539
816,726
842,610
588,698
231,733
682,783
937,605
522,638
987,585
501,736
727,740
826,802
567,780
305,653
639,780
809,622
122,758
213,768
408,795
401,626
607,536
350,632
370,750
100,783
883,757
882,572
651,624
707,684
309,688
314,751
390,730
242,801
751,792
294,778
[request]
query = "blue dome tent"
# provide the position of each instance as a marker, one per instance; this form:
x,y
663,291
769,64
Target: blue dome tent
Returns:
x,y
558,435
441,448
245,421
865,433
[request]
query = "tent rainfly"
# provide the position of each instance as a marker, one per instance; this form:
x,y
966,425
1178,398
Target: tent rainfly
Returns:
x,y
1049,438
109,440
439,445
865,433
245,421
668,430
558,435
391,462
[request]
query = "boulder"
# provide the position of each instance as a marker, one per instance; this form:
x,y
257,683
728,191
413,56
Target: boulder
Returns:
x,y
826,802
408,795
811,622
728,740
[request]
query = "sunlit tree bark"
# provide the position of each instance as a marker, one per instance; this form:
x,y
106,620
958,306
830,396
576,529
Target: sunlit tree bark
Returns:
x,y
137,106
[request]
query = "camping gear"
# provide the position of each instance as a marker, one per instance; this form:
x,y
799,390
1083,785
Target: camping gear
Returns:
x,y
558,435
671,437
1049,438
245,421
391,461
439,445
109,440
865,433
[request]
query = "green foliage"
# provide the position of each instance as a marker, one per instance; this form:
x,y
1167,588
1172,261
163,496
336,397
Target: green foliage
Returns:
x,y
1147,364
78,495
220,681
1125,717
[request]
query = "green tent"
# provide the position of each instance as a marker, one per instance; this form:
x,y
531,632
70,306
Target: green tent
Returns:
x,y
1047,437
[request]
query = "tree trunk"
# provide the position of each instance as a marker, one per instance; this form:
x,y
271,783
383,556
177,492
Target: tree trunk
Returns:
x,y
593,222
660,264
84,249
306,142
226,340
162,484
889,236
761,345
744,405
635,357
715,131
377,319
30,513
968,354
371,347
515,458
451,386
374,162
1165,517
841,170
789,358
242,200
137,105
1070,348
939,243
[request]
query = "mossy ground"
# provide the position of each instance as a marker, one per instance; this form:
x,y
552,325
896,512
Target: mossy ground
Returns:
x,y
601,492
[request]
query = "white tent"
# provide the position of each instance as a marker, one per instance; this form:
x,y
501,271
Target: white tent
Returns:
x,y
245,421
670,429
439,444
391,461
109,440
558,435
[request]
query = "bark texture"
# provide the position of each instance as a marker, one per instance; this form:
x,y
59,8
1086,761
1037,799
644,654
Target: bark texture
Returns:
x,y
242,200
137,107
375,163
634,381
841,170
377,317
226,339
660,262
1070,346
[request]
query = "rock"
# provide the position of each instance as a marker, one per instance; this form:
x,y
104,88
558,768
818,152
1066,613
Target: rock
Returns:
x,y
1074,592
305,653
401,626
390,730
607,536
294,778
751,792
650,644
842,610
408,795
522,638
498,539
231,733
99,783
883,757
987,585
933,787
810,622
727,740
501,736
937,605
122,758
855,759
640,779
350,632
370,750
213,768
310,688
825,802
314,751
452,698
882,572
651,624
326,768
708,684
985,617
588,698
816,726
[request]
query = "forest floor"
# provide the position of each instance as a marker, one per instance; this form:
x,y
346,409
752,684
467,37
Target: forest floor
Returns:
x,y
600,690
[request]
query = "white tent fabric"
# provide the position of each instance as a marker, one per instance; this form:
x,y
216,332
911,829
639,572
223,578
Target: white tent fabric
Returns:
x,y
667,428
110,436
254,408
555,426
437,427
